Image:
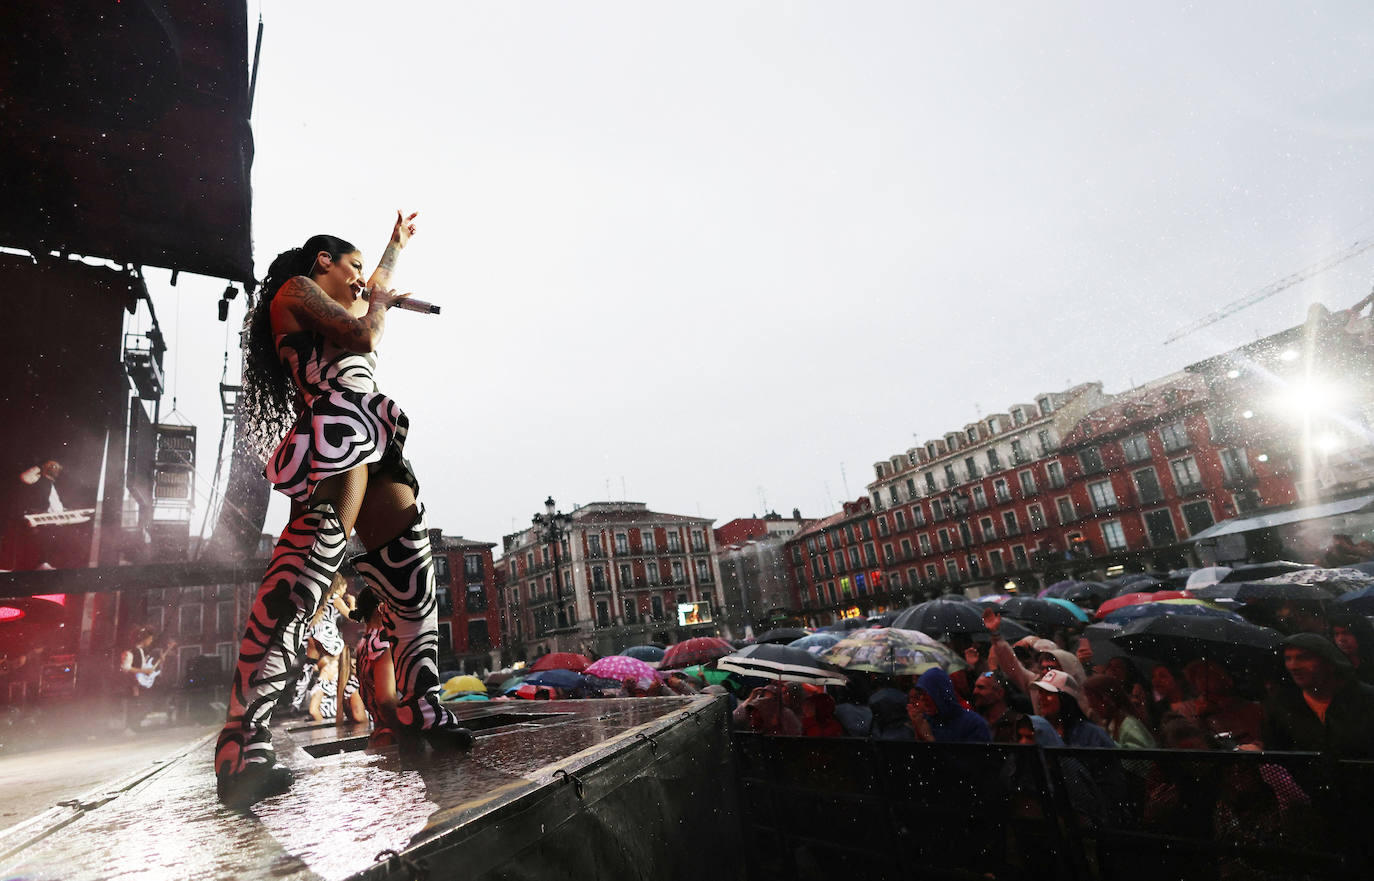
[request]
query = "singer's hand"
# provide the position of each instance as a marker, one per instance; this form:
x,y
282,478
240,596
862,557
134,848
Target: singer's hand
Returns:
x,y
381,297
404,229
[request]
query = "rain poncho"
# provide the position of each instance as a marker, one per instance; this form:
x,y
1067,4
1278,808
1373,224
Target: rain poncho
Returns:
x,y
954,722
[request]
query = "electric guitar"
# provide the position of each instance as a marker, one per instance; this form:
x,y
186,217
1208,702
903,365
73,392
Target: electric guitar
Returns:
x,y
147,679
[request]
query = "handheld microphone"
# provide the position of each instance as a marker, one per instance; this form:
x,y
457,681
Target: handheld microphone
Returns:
x,y
410,304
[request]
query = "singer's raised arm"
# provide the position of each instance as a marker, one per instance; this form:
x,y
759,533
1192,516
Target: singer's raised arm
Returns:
x,y
400,237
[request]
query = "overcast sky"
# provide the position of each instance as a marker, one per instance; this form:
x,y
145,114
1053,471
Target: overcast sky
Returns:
x,y
703,255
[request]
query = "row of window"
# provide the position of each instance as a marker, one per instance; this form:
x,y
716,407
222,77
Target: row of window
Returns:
x,y
1159,527
631,612
994,459
541,556
538,590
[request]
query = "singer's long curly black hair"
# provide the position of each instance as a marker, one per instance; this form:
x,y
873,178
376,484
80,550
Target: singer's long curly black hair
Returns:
x,y
268,403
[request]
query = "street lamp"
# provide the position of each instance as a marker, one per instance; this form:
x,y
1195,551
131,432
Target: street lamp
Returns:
x,y
552,526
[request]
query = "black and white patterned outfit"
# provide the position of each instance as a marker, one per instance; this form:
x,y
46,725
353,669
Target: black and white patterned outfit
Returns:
x,y
346,422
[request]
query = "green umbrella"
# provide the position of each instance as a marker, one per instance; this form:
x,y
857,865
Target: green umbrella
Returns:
x,y
712,677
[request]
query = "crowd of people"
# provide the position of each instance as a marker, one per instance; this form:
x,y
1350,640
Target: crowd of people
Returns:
x,y
1316,696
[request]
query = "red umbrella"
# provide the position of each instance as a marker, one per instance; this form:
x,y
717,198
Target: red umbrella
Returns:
x,y
561,661
698,650
1138,599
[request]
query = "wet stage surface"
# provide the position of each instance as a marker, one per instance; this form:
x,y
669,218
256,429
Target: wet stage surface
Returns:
x,y
346,806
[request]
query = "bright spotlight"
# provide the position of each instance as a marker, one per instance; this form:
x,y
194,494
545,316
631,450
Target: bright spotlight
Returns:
x,y
1248,414
1233,374
1311,397
1289,355
1328,443
1262,457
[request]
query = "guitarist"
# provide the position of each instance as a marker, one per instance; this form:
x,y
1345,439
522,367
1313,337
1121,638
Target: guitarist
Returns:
x,y
139,667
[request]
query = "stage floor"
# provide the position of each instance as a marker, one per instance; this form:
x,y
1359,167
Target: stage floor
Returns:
x,y
347,806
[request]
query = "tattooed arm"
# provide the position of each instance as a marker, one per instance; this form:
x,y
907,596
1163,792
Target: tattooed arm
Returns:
x,y
400,237
314,310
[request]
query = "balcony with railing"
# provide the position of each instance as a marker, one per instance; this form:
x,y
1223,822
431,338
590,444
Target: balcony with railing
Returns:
x,y
1190,489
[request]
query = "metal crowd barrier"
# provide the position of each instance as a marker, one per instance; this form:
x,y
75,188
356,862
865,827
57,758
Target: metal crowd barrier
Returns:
x,y
826,808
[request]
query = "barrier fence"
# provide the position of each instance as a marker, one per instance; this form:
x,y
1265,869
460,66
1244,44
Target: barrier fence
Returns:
x,y
827,808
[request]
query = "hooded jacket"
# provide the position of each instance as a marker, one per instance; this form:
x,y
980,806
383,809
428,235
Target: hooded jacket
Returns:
x,y
953,722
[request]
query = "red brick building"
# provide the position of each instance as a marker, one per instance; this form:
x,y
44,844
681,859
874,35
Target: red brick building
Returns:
x,y
1156,466
470,636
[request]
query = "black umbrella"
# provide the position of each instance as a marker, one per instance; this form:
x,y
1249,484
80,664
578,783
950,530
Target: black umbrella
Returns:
x,y
1177,639
844,625
941,616
1077,591
781,662
1256,591
649,654
1145,585
1038,611
782,635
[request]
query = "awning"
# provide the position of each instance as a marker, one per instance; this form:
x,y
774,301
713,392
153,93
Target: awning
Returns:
x,y
1279,518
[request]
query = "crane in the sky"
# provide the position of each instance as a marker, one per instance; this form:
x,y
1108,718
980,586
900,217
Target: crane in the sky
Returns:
x,y
1270,290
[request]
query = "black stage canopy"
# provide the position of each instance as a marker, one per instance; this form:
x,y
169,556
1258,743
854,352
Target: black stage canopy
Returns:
x,y
126,132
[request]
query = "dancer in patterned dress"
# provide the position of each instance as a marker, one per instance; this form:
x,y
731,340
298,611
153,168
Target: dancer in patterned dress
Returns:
x,y
310,346
375,671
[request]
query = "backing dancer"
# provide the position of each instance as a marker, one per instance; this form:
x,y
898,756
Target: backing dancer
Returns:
x,y
309,344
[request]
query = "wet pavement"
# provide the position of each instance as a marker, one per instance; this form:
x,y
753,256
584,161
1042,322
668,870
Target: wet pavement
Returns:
x,y
346,806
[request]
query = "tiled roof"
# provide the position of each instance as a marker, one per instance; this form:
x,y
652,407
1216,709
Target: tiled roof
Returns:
x,y
1146,406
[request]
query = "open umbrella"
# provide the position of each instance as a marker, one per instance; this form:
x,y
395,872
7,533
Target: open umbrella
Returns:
x,y
781,635
819,642
620,668
649,654
1042,612
1056,587
941,616
1359,601
1079,591
1242,572
712,677
889,650
561,661
845,624
780,662
566,680
1137,599
697,650
1194,607
1074,609
459,685
1337,580
1177,639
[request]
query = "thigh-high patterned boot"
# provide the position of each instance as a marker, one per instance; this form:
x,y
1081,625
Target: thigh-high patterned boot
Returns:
x,y
402,573
303,564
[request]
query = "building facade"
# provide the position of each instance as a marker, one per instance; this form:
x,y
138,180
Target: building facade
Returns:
x,y
752,563
622,575
470,637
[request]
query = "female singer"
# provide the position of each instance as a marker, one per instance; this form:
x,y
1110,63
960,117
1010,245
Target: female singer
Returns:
x,y
309,355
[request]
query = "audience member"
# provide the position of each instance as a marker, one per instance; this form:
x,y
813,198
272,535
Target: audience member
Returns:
x,y
1326,709
938,714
